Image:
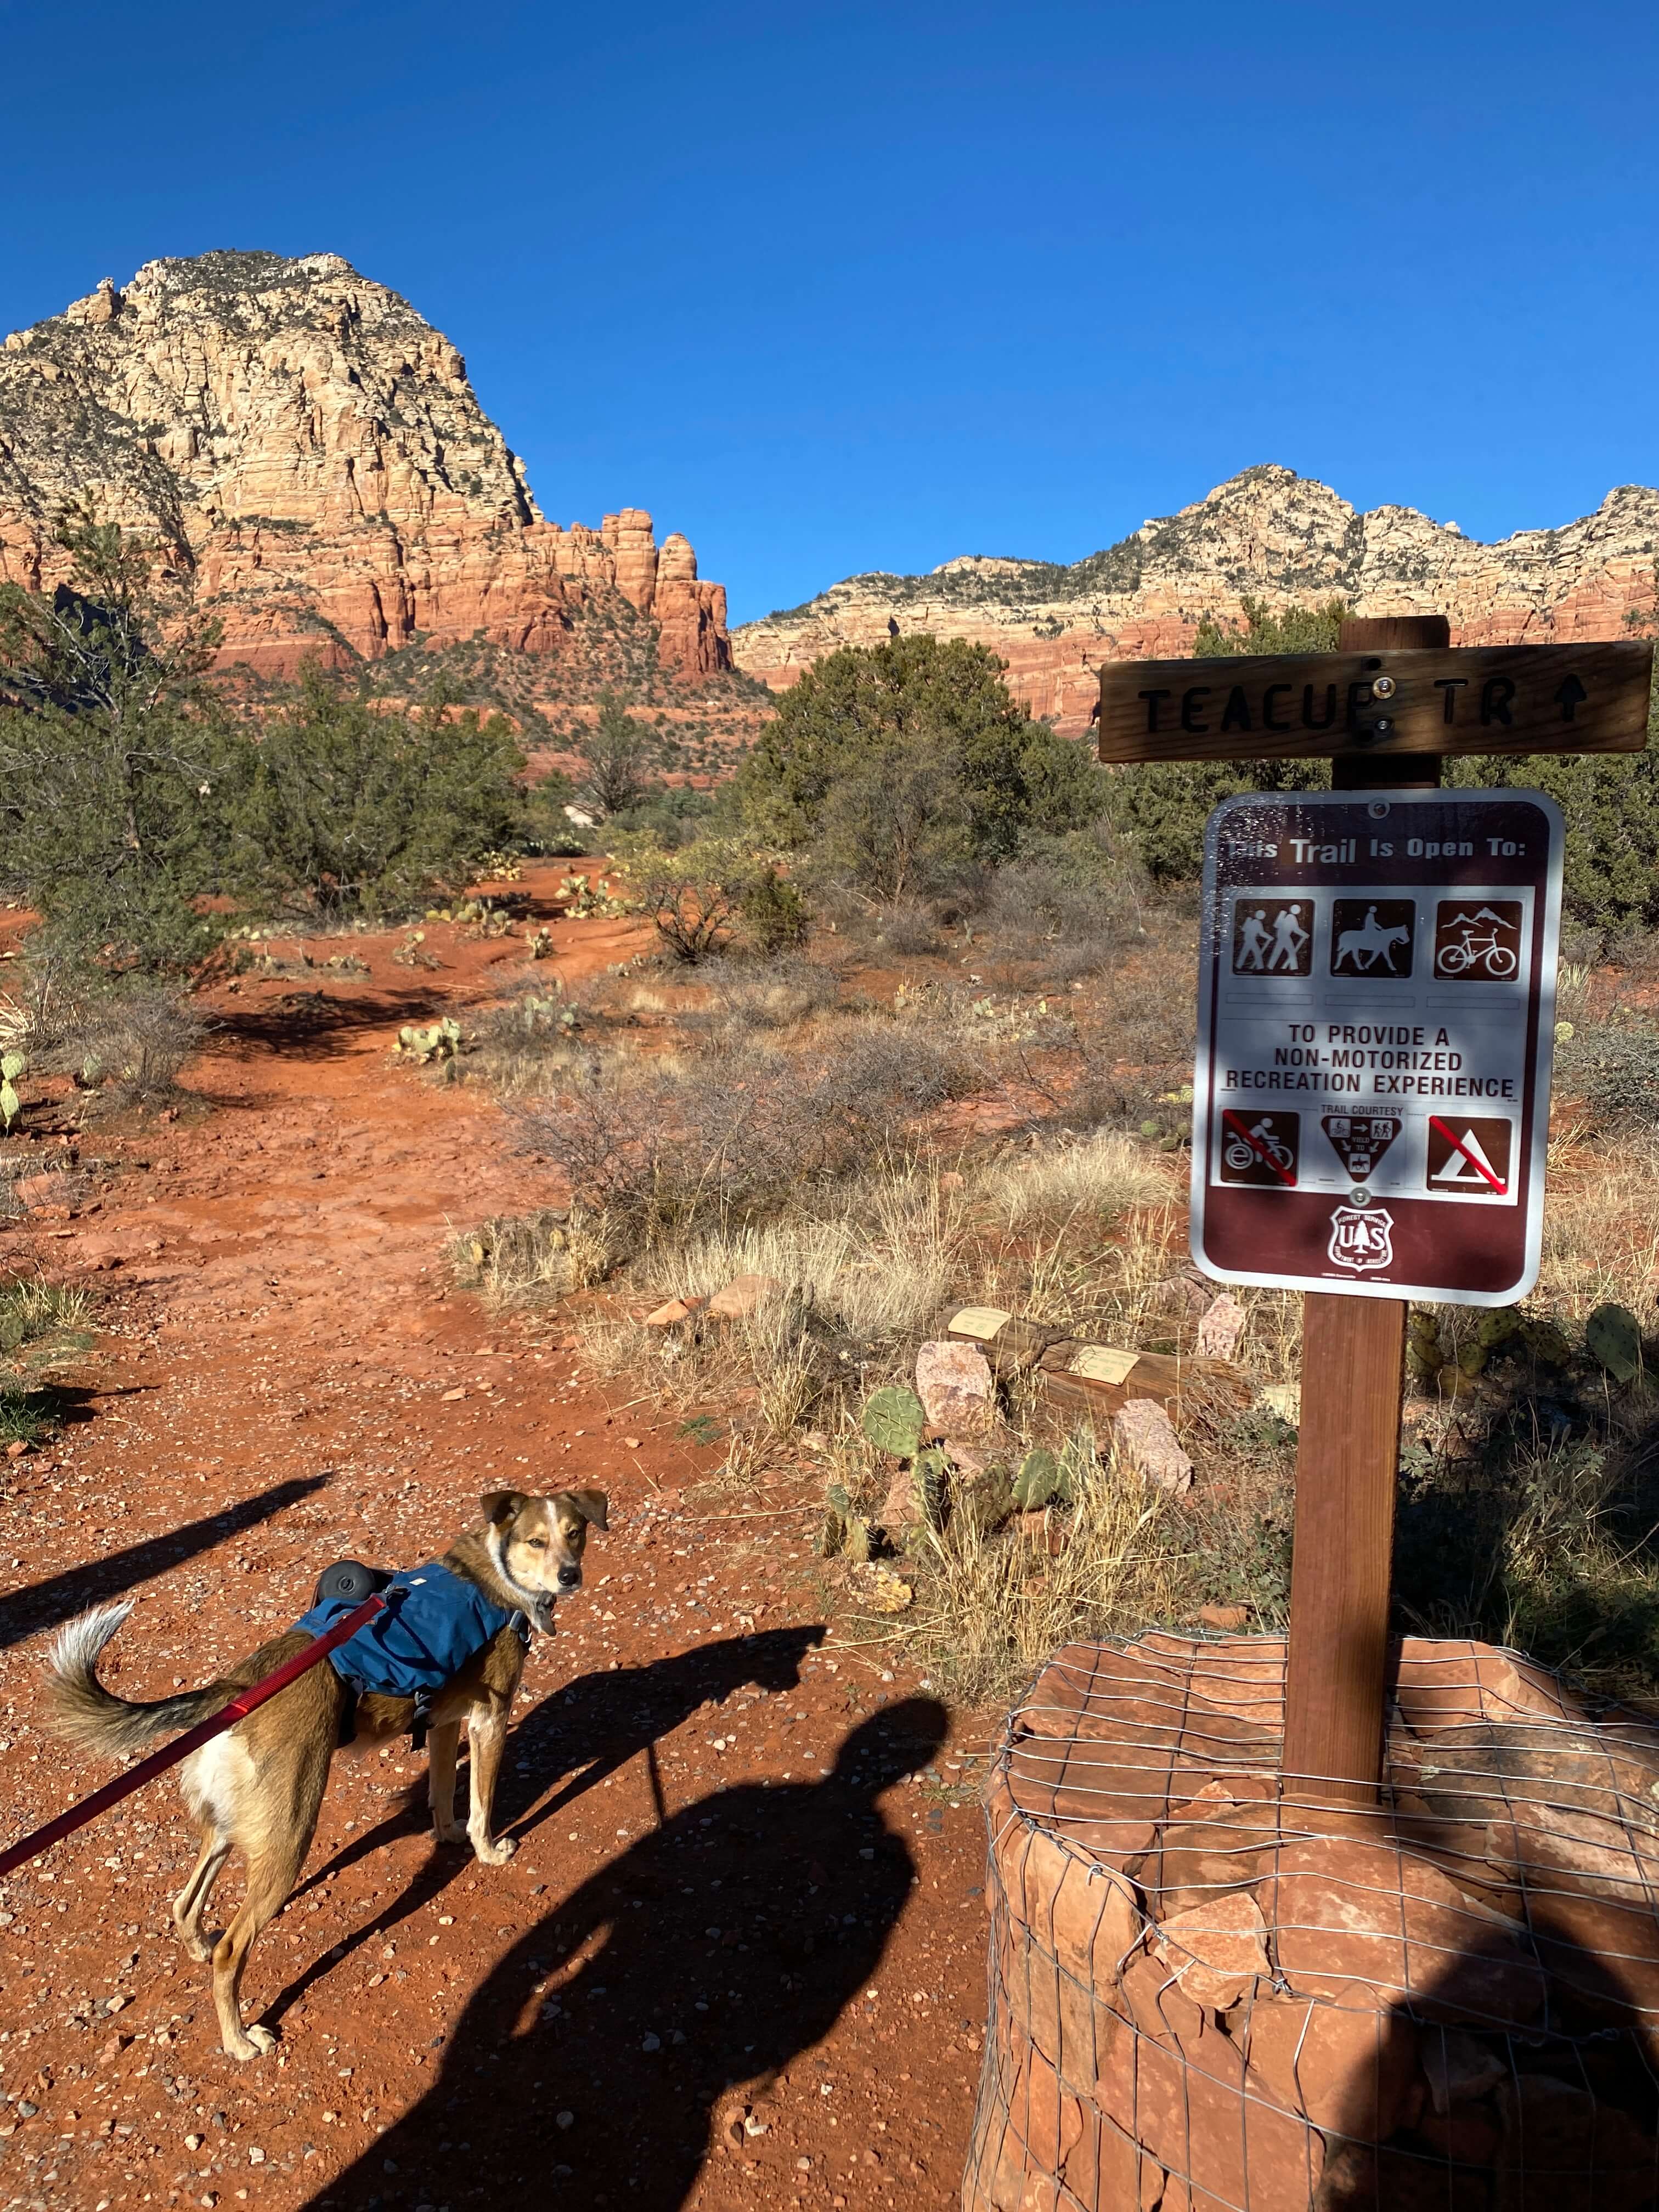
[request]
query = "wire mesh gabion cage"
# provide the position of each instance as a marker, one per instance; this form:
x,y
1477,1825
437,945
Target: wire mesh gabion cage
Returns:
x,y
1203,1999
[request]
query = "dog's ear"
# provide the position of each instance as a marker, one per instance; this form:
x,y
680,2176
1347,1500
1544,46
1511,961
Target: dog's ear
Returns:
x,y
592,1504
501,1506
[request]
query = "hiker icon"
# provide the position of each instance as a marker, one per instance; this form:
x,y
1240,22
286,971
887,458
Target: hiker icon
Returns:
x,y
1372,937
1272,937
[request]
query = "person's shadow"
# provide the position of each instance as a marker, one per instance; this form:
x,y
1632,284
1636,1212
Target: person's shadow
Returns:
x,y
712,1952
568,1744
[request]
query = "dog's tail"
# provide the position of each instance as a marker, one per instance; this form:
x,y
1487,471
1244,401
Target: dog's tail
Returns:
x,y
82,1709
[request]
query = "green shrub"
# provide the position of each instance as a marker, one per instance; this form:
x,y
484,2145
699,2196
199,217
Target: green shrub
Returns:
x,y
1614,1065
897,765
774,912
355,809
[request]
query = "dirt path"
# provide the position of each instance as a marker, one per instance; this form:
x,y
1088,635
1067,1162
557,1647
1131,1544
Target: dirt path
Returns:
x,y
739,1955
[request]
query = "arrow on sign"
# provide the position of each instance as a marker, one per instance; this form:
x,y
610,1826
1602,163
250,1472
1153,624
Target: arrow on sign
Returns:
x,y
1571,695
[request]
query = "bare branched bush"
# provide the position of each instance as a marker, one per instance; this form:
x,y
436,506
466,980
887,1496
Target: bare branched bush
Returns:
x,y
1069,927
905,929
669,1149
778,993
129,1045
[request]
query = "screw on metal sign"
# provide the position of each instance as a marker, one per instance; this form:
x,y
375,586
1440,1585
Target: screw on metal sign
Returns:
x,y
1376,1016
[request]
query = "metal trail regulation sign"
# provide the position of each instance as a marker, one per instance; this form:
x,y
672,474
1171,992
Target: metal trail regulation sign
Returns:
x,y
1376,1002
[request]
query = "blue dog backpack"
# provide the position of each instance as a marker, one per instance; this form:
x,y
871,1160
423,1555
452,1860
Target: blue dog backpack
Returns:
x,y
433,1623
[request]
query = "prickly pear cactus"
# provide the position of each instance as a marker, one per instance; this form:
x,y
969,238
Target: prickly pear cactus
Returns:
x,y
1547,1342
893,1421
12,1065
436,1040
927,1485
985,1503
1612,1337
1036,1480
1423,1354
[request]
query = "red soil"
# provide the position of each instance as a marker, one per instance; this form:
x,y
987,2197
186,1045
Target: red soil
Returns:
x,y
734,1893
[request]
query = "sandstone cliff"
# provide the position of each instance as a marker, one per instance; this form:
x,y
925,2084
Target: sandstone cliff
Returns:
x,y
1267,534
311,449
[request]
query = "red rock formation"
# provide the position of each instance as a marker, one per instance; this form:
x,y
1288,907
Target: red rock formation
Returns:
x,y
1267,534
312,449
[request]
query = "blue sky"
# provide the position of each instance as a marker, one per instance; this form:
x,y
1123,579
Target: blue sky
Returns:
x,y
851,287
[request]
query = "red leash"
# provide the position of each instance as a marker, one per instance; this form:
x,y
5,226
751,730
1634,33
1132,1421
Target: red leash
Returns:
x,y
240,1706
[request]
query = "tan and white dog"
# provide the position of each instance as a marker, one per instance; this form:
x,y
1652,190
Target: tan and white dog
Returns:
x,y
258,1788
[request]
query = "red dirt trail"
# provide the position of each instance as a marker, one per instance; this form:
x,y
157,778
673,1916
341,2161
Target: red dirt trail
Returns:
x,y
738,1956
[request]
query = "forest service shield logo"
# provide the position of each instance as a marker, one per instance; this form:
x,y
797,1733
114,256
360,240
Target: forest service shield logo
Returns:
x,y
1362,1238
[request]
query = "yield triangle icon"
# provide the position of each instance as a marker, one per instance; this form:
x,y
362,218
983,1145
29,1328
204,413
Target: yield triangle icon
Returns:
x,y
1360,1140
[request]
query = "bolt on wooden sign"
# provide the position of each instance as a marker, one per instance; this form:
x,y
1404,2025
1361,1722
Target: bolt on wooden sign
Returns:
x,y
1462,699
1377,1003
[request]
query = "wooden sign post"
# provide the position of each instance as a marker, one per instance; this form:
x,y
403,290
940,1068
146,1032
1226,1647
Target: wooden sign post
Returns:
x,y
1394,699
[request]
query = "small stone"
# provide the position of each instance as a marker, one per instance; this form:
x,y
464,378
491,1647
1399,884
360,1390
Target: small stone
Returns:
x,y
192,2143
17,1451
1220,1328
652,2042
564,2119
256,2157
743,1296
1144,1436
1216,1951
450,1397
953,1381
676,1311
631,1444
899,1508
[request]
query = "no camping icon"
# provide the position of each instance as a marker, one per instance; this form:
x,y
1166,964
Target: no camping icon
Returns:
x,y
1468,1155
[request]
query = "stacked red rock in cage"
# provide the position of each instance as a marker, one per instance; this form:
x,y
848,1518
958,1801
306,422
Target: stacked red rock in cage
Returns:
x,y
1204,2002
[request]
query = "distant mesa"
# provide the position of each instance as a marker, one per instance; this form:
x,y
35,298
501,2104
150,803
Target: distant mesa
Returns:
x,y
1267,534
309,447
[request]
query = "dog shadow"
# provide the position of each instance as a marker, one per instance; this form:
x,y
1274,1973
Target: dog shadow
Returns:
x,y
585,1731
710,1953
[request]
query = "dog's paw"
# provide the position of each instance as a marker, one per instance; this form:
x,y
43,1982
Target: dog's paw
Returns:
x,y
256,2043
496,1852
197,1947
452,1833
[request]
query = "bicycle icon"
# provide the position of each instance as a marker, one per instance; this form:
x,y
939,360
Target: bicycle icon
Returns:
x,y
1480,945
1241,1152
1262,1152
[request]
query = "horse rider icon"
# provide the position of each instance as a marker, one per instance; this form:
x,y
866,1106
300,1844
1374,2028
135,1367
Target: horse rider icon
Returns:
x,y
1371,946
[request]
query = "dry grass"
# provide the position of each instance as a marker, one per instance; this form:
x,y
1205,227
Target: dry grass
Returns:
x,y
1102,1174
994,1607
783,1134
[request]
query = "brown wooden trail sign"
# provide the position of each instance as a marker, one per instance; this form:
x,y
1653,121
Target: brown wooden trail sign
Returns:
x,y
1457,699
1395,697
